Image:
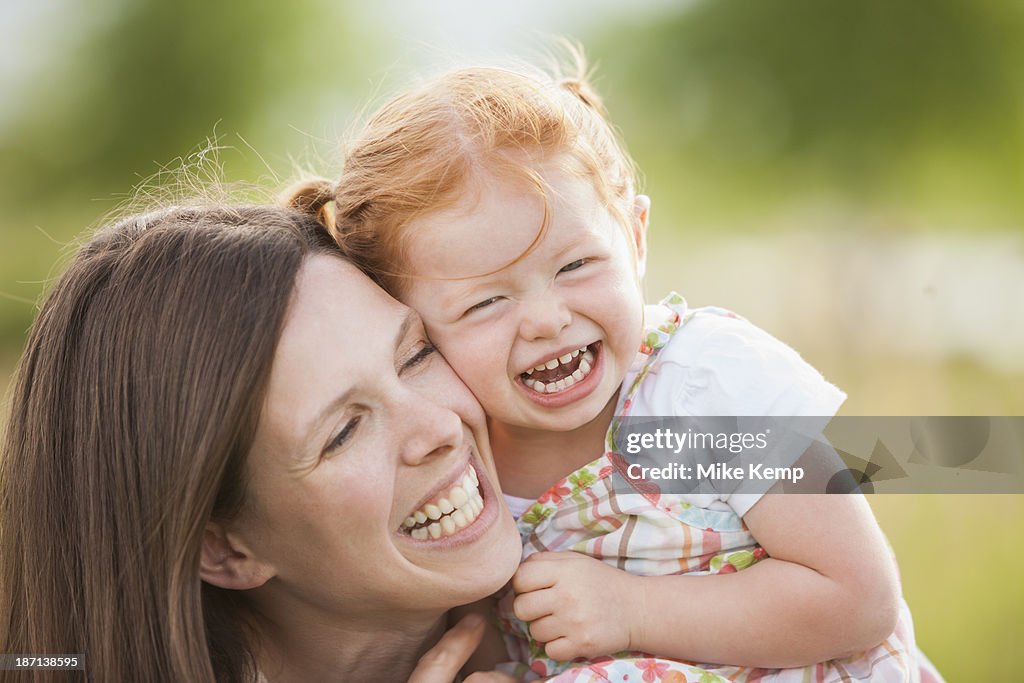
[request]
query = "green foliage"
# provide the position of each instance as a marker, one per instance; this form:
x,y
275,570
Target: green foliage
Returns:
x,y
143,84
157,80
738,107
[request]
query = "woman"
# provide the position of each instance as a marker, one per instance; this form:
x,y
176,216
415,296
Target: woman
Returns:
x,y
225,452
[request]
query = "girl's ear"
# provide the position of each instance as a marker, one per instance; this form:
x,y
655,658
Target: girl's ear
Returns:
x,y
641,216
226,562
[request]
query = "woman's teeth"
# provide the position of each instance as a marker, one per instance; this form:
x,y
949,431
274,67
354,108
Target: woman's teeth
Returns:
x,y
454,510
568,371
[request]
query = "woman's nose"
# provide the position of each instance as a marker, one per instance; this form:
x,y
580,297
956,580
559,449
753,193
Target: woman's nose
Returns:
x,y
544,318
430,429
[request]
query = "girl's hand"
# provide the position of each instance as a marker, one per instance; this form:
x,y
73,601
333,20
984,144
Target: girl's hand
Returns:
x,y
576,605
441,663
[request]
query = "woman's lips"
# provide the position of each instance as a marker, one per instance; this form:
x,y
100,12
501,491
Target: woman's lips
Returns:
x,y
454,509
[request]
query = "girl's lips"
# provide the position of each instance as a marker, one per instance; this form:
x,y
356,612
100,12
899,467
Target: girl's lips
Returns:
x,y
581,389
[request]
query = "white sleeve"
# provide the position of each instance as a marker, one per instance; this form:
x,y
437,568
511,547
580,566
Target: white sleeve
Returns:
x,y
717,365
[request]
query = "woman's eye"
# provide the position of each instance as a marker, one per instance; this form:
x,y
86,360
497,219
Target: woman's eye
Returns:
x,y
420,356
341,437
578,263
483,304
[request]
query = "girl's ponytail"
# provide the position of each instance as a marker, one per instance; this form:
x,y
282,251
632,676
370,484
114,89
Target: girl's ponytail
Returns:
x,y
573,75
581,89
312,197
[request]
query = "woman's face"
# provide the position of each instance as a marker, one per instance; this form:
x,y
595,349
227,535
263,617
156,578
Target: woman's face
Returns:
x,y
366,434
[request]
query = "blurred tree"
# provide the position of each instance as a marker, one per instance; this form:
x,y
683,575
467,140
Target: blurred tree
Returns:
x,y
137,84
745,106
153,81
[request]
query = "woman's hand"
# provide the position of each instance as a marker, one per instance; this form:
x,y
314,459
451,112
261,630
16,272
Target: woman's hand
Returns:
x,y
441,663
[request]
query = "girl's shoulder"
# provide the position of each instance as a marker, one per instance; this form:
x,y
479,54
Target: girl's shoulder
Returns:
x,y
711,361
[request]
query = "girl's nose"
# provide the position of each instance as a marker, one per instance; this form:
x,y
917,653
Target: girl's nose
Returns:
x,y
544,318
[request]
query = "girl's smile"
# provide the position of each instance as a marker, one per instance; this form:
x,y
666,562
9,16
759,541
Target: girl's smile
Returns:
x,y
564,379
532,296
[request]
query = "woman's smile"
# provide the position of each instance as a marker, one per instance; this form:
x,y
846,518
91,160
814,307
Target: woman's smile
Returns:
x,y
457,513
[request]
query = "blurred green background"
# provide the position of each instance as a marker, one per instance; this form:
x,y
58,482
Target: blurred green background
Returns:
x,y
849,176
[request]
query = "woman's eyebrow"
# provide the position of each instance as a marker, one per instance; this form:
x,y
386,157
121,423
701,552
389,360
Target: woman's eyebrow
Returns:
x,y
410,319
329,409
332,406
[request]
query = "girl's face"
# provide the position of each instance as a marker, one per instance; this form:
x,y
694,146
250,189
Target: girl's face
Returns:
x,y
366,434
543,339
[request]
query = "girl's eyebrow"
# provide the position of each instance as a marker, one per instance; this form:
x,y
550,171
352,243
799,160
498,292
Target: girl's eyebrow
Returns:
x,y
469,287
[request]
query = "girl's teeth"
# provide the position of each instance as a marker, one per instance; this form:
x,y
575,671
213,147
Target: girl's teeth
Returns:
x,y
584,368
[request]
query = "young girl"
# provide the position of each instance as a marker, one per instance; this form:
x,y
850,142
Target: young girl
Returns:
x,y
502,207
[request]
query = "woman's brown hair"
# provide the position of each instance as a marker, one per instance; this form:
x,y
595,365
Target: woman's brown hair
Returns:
x,y
134,408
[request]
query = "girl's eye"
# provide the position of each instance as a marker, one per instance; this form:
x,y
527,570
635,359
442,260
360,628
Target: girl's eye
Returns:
x,y
420,356
578,263
483,304
346,432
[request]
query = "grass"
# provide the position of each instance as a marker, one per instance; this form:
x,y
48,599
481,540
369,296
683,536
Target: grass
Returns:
x,y
960,558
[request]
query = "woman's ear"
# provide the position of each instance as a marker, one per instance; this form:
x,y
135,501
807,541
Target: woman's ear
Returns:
x,y
226,562
641,217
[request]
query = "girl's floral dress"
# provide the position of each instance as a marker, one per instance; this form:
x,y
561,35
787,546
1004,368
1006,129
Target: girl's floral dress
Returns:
x,y
652,533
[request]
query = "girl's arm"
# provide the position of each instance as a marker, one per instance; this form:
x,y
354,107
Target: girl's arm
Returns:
x,y
829,589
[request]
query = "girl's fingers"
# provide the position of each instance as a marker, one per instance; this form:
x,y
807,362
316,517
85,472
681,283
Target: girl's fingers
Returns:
x,y
534,575
533,605
546,629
